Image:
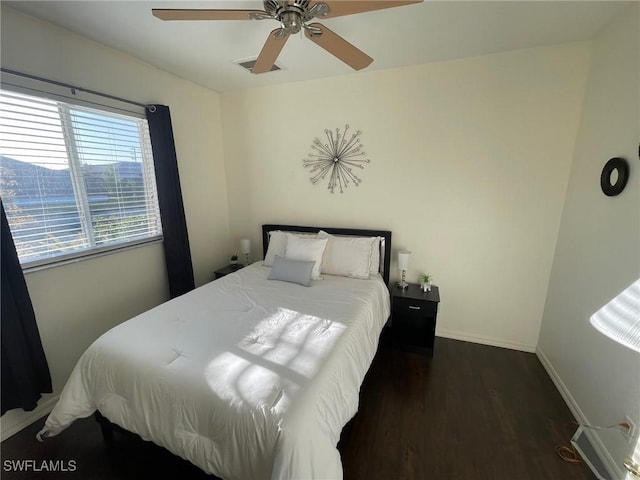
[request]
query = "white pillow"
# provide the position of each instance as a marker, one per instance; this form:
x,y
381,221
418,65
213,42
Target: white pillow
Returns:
x,y
310,249
375,256
347,256
278,244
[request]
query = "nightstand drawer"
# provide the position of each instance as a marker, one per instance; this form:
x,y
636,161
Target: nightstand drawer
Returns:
x,y
414,308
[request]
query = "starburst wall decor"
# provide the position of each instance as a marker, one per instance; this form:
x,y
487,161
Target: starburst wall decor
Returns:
x,y
337,158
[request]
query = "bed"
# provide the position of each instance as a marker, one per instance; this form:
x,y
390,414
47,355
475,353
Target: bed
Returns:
x,y
253,375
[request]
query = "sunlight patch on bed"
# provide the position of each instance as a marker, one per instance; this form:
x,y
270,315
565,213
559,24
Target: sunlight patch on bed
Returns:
x,y
281,355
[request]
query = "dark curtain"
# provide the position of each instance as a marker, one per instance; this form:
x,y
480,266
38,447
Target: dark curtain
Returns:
x,y
25,373
174,225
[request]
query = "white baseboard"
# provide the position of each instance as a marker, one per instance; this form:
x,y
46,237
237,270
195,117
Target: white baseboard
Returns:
x,y
9,426
485,341
612,467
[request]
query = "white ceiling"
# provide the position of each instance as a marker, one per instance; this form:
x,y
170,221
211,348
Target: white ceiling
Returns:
x,y
204,51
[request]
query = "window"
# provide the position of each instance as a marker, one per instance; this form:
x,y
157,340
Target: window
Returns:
x,y
74,180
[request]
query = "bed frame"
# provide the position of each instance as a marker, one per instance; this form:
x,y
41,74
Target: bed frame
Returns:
x,y
385,247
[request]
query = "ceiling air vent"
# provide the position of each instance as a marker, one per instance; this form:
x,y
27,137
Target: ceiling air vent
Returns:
x,y
248,65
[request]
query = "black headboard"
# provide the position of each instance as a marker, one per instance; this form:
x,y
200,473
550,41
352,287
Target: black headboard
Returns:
x,y
386,234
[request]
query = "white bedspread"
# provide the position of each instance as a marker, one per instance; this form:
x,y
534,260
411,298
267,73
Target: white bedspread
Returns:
x,y
247,378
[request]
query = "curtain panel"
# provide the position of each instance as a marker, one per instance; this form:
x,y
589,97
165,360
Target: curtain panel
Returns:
x,y
25,372
174,226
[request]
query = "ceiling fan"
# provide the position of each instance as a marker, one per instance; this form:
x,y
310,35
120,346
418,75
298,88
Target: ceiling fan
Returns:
x,y
293,16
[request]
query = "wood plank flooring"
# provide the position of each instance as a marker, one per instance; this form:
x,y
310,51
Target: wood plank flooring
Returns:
x,y
472,412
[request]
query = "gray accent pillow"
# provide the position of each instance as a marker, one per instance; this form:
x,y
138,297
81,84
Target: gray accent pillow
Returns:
x,y
293,271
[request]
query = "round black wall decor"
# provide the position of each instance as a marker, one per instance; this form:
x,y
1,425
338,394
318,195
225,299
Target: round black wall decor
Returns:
x,y
621,167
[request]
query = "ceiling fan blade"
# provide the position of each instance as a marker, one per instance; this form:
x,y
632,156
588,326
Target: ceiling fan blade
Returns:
x,y
338,46
338,8
182,14
270,51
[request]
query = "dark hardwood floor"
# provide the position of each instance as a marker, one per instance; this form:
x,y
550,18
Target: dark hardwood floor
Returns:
x,y
472,412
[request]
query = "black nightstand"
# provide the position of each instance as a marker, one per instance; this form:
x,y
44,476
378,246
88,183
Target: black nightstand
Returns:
x,y
413,317
234,267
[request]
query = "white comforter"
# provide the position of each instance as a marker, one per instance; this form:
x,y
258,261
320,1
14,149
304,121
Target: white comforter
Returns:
x,y
247,378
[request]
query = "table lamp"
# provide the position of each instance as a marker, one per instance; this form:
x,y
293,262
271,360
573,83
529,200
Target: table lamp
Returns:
x,y
245,248
403,266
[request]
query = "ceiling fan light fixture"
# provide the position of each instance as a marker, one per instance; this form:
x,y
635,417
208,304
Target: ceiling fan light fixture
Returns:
x,y
291,21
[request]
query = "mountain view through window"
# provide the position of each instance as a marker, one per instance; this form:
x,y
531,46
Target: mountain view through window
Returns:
x,y
74,179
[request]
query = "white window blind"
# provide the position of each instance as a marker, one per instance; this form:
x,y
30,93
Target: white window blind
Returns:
x,y
74,180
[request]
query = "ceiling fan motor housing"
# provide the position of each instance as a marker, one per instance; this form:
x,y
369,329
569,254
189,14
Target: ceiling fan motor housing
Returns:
x,y
272,6
294,15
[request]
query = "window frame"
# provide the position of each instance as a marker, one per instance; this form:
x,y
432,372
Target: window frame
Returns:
x,y
75,96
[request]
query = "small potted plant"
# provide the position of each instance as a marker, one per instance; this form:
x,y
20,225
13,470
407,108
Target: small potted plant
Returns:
x,y
234,259
425,282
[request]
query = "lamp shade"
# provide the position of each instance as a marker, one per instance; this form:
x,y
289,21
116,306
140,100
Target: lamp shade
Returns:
x,y
245,246
403,260
620,318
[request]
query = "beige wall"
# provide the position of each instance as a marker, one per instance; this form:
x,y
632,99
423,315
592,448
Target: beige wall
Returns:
x,y
469,167
598,248
74,304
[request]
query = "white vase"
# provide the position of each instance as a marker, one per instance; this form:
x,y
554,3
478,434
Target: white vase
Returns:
x,y
426,286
